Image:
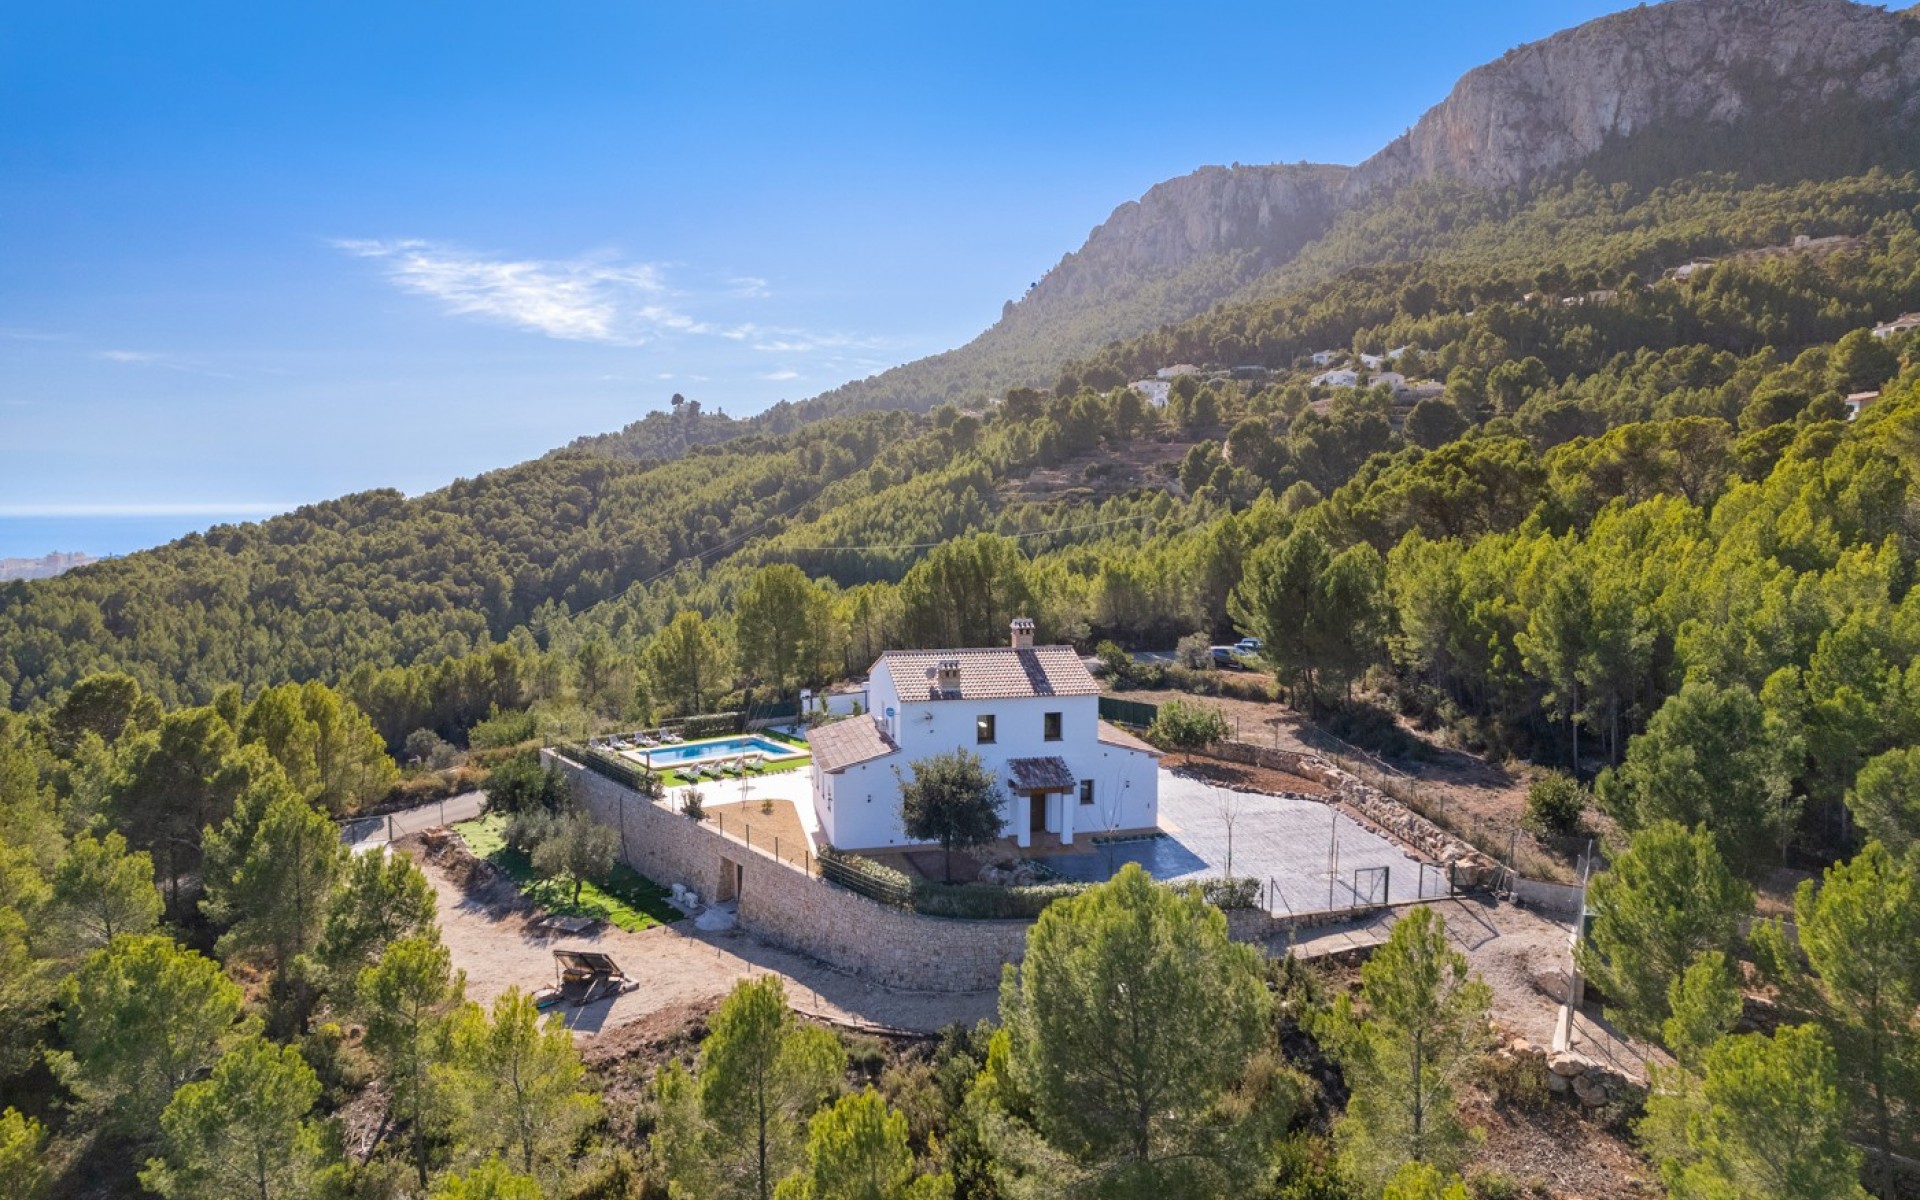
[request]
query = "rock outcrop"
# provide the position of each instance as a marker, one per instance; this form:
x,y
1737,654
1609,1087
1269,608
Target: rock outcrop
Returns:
x,y
1703,64
1269,211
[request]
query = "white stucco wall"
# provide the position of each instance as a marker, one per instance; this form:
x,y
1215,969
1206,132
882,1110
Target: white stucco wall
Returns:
x,y
859,807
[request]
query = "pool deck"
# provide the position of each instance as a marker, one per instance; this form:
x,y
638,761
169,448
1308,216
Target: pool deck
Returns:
x,y
770,750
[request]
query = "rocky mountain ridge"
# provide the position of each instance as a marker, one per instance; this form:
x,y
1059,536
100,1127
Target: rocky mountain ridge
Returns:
x,y
1710,64
1768,89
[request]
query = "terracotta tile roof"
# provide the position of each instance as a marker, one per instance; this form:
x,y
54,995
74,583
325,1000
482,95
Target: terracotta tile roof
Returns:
x,y
1113,735
1049,774
846,743
991,673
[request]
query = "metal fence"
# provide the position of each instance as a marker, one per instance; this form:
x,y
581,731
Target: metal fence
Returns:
x,y
1128,712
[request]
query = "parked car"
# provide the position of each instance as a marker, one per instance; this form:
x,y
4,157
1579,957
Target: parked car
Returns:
x,y
1226,656
1248,645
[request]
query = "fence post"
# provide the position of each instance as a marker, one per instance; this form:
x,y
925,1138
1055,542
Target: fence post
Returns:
x,y
389,827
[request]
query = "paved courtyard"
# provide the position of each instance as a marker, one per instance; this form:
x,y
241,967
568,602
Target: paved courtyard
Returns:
x,y
1291,846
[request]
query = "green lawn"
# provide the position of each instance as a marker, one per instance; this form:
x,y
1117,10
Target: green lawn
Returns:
x,y
675,779
625,898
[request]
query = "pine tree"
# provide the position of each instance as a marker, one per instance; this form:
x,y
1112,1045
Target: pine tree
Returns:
x,y
1666,899
139,1018
1766,1120
101,891
243,1131
1860,933
857,1150
1138,1031
517,1084
1421,1020
736,1127
406,999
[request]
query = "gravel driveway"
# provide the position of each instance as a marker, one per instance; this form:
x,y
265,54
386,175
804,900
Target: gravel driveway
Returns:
x,y
676,966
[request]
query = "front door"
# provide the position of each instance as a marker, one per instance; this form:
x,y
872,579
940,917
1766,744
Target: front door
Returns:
x,y
1038,804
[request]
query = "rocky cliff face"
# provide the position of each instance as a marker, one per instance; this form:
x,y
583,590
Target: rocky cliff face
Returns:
x,y
1269,211
1775,89
1707,64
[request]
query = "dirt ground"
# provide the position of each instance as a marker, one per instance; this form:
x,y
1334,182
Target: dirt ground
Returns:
x,y
1571,1152
678,967
775,828
1520,953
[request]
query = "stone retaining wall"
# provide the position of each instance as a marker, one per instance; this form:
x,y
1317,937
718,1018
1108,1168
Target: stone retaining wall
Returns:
x,y
799,911
902,949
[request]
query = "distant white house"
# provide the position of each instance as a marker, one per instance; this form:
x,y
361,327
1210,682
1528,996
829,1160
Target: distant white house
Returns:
x,y
1373,362
1177,370
1153,391
1326,358
1032,715
1900,324
1347,377
1858,403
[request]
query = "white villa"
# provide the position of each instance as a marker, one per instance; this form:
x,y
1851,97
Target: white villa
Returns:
x,y
1030,712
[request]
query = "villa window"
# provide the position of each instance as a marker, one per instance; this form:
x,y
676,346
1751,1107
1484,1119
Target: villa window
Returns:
x,y
1086,791
983,729
1050,727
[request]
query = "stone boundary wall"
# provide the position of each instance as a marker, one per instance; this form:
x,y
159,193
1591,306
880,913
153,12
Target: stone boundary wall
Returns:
x,y
906,950
1293,763
801,912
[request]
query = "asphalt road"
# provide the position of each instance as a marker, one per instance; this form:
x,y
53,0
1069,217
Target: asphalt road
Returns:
x,y
367,832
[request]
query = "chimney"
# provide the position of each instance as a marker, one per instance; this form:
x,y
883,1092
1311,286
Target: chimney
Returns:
x,y
947,678
1022,633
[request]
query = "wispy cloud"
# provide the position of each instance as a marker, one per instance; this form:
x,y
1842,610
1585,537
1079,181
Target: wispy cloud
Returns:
x,y
262,508
593,298
579,300
33,335
166,362
780,376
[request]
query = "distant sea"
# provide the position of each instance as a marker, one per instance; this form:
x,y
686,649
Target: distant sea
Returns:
x,y
33,536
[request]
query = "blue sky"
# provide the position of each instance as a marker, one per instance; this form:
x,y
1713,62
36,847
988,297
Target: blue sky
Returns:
x,y
258,255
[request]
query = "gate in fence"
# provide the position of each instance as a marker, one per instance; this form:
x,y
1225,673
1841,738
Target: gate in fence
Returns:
x,y
1370,886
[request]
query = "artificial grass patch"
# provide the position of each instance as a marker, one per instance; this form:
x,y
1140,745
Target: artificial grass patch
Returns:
x,y
676,779
624,898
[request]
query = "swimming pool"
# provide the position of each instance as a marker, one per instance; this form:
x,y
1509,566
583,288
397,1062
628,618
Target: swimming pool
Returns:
x,y
671,757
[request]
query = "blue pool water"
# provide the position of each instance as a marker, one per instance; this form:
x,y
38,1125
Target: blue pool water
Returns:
x,y
724,748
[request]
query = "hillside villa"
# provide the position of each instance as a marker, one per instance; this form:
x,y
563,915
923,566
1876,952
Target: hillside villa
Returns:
x,y
1032,715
